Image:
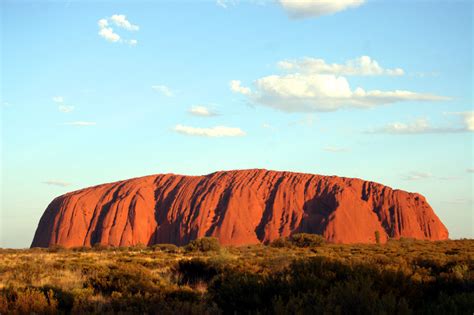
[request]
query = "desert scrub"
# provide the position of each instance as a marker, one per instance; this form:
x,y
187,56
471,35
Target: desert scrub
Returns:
x,y
299,240
27,301
404,276
205,244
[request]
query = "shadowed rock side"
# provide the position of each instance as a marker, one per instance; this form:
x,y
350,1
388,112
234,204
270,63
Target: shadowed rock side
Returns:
x,y
238,207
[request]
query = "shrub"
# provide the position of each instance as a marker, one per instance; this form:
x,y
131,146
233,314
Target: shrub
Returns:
x,y
124,278
205,244
98,247
307,240
56,249
281,243
196,270
167,248
27,301
299,240
64,299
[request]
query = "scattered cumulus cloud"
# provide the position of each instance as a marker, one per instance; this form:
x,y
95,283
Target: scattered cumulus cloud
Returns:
x,y
57,183
418,126
61,106
202,111
217,131
470,170
361,66
423,126
163,89
109,35
312,85
301,9
468,119
80,123
226,3
320,92
416,176
236,86
120,21
58,99
65,108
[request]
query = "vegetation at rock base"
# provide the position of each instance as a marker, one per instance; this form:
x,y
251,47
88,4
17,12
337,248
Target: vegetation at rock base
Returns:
x,y
297,275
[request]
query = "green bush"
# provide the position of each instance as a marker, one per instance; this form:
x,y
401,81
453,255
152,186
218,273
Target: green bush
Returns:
x,y
123,278
299,240
167,248
205,244
307,240
281,242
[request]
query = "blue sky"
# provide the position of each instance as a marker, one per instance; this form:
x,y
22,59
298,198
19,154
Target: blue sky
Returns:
x,y
98,92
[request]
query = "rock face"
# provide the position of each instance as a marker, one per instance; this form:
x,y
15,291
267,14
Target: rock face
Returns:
x,y
238,207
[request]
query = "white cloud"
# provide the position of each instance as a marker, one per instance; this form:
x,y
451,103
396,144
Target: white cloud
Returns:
x,y
364,66
411,176
423,126
200,110
468,119
236,86
121,21
335,149
320,92
218,131
58,99
108,33
226,3
57,183
222,3
470,170
61,106
80,123
416,176
163,89
103,23
65,108
314,8
418,126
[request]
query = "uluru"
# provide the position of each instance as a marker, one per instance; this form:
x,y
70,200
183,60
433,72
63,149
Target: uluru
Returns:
x,y
238,207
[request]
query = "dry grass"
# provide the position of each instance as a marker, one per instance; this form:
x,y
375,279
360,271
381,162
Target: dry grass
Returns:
x,y
101,280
